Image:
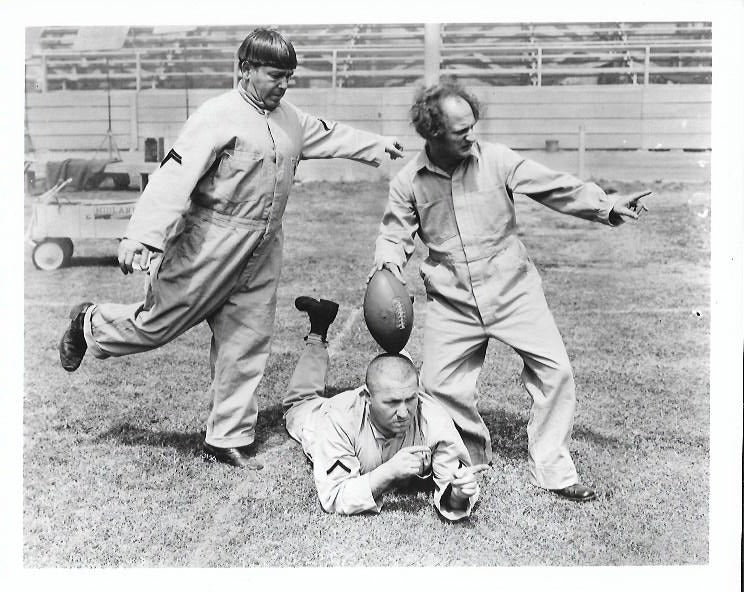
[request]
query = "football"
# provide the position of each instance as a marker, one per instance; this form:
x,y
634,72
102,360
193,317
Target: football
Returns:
x,y
388,311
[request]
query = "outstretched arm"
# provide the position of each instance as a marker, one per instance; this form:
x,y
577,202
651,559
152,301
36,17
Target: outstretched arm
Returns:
x,y
563,192
323,138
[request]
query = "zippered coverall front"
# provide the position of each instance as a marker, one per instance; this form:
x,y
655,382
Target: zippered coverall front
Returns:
x,y
214,208
339,438
481,284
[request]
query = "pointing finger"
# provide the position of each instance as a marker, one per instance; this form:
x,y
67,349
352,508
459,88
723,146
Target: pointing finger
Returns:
x,y
415,449
478,468
627,212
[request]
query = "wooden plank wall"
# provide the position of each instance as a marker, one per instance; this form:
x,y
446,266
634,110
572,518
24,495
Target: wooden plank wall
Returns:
x,y
614,117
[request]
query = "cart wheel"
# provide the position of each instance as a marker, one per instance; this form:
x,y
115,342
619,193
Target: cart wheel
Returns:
x,y
52,254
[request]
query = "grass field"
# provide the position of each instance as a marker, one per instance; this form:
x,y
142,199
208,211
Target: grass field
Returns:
x,y
112,469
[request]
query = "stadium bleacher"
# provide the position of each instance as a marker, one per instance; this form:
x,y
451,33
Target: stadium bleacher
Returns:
x,y
375,55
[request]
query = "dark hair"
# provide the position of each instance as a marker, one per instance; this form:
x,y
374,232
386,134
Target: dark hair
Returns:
x,y
426,111
267,47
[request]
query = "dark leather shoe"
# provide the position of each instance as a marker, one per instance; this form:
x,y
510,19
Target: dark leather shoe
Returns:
x,y
241,457
577,493
322,313
72,346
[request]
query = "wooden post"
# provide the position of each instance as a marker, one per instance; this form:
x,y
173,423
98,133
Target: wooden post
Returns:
x,y
582,151
134,119
334,67
646,64
236,70
138,69
432,52
43,73
539,66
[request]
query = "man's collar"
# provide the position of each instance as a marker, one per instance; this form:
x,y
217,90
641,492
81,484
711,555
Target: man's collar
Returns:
x,y
258,106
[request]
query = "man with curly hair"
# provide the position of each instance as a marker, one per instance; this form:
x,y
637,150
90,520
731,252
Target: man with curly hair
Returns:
x,y
458,195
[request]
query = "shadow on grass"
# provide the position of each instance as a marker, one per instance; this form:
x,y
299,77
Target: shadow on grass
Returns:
x,y
102,261
131,435
406,501
509,434
270,424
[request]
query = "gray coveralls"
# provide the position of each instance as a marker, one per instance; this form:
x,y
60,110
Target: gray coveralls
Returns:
x,y
481,284
338,436
215,209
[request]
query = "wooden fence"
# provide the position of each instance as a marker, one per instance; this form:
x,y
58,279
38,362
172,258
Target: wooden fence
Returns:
x,y
614,117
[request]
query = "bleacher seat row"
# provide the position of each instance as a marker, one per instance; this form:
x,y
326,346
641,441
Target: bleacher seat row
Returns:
x,y
374,55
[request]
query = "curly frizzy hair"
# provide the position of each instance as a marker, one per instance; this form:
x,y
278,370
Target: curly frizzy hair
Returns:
x,y
426,111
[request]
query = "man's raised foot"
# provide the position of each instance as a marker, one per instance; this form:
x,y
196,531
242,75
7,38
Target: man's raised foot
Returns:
x,y
72,346
322,313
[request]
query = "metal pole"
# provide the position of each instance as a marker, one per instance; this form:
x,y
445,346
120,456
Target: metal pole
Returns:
x,y
432,52
582,150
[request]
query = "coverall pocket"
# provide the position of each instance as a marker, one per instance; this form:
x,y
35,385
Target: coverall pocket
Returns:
x,y
437,221
239,176
427,269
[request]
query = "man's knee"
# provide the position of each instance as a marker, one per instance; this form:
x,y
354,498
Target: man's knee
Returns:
x,y
556,376
564,373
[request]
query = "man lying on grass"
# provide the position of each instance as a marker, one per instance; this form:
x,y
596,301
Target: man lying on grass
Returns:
x,y
385,434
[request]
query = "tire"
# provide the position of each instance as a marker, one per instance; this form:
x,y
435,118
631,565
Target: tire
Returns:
x,y
52,253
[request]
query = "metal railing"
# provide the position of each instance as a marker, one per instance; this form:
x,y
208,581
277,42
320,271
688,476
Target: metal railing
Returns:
x,y
545,64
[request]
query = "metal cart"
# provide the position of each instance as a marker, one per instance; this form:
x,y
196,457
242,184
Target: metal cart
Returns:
x,y
56,221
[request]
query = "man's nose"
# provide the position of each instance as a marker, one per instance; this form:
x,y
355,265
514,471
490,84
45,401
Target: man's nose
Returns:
x,y
470,137
402,411
284,82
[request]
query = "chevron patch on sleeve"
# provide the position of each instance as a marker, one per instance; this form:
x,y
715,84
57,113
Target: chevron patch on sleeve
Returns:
x,y
172,154
338,463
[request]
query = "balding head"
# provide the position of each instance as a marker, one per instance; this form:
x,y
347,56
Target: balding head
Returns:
x,y
392,393
390,371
